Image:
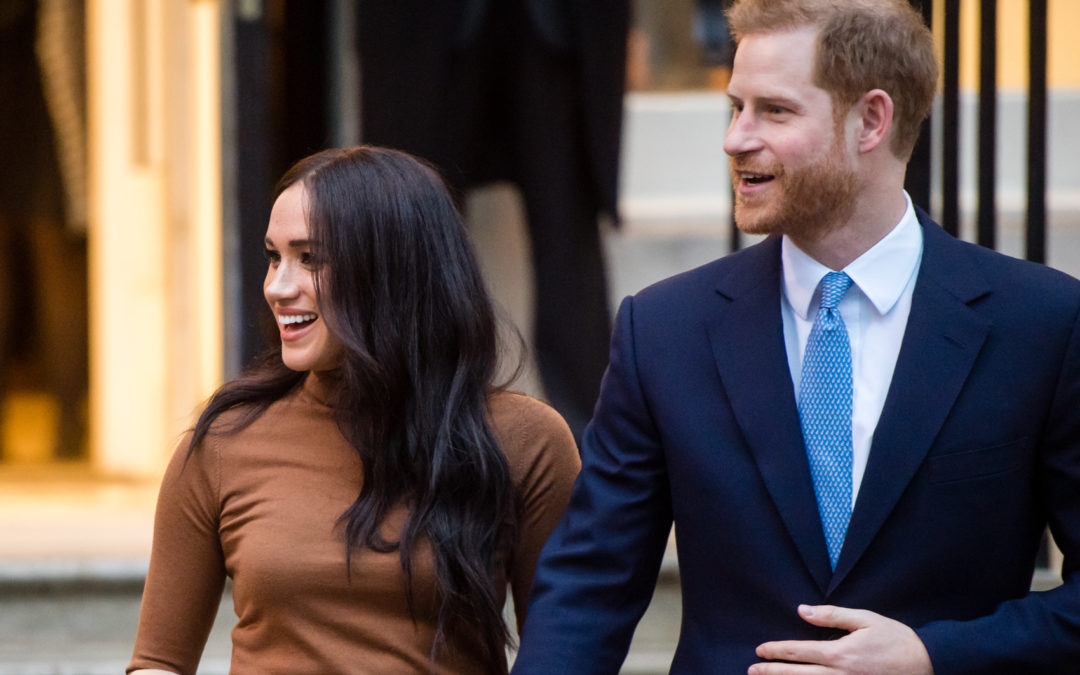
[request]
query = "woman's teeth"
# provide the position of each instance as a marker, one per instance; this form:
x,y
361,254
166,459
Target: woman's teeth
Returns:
x,y
286,320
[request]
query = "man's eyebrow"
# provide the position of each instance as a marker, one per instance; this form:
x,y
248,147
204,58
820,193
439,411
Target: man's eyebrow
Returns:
x,y
778,100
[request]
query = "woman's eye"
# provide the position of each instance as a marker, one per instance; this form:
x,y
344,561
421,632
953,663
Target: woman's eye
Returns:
x,y
306,258
272,256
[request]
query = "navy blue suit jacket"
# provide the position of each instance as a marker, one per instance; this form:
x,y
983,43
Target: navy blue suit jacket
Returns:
x,y
976,450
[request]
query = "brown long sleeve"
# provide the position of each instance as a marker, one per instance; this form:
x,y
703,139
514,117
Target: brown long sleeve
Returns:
x,y
262,507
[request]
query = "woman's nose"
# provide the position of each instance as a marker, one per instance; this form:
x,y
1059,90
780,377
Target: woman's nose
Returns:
x,y
281,282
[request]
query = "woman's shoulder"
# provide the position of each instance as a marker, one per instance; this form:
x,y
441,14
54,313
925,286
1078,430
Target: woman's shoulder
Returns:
x,y
533,436
306,396
514,413
251,399
228,423
238,425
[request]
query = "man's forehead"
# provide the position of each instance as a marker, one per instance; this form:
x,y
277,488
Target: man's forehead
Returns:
x,y
775,64
780,41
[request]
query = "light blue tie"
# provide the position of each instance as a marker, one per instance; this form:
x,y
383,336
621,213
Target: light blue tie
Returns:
x,y
825,412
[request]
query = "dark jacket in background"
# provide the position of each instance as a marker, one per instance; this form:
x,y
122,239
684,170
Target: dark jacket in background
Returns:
x,y
528,91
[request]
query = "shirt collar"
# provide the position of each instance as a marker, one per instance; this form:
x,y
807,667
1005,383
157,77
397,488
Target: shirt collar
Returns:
x,y
881,273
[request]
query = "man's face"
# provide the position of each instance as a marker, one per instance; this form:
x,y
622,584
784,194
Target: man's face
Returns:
x,y
790,165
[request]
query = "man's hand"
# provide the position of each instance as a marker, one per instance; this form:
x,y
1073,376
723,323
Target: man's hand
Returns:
x,y
874,644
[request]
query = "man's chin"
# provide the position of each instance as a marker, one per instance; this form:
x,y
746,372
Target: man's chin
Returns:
x,y
749,223
755,228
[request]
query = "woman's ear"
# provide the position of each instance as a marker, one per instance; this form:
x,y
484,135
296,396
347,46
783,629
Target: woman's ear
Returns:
x,y
875,117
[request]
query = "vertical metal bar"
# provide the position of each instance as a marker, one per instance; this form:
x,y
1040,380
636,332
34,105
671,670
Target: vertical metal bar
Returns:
x,y
253,141
344,108
987,124
1036,151
735,236
305,103
950,122
735,240
917,180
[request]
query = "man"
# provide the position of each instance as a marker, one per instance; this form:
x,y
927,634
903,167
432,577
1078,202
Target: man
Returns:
x,y
860,427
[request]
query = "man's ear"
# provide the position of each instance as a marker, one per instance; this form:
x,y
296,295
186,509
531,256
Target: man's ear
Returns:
x,y
875,117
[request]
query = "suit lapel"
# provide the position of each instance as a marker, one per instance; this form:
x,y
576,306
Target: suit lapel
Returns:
x,y
747,338
941,342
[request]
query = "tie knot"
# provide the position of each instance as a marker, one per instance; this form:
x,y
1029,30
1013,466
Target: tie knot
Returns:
x,y
833,287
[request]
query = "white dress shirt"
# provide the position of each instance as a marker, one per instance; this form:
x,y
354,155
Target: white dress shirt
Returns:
x,y
875,311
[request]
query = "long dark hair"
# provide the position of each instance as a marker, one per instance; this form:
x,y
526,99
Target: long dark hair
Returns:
x,y
399,286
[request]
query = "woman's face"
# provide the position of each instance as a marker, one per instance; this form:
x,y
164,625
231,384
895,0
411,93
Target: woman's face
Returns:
x,y
289,288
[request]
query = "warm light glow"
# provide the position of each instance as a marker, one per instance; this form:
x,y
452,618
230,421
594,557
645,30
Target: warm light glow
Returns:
x,y
1063,58
206,212
155,224
127,267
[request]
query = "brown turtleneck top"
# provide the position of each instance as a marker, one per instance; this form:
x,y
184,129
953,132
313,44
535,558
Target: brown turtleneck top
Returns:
x,y
261,506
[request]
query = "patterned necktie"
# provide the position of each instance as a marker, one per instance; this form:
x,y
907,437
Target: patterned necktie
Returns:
x,y
825,412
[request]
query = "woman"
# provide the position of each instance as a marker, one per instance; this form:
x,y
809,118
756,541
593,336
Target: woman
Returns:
x,y
366,488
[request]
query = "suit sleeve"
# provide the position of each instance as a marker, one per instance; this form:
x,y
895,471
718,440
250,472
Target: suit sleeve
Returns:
x,y
598,570
1039,633
187,570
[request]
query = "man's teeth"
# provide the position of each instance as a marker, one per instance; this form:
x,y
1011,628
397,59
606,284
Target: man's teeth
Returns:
x,y
295,318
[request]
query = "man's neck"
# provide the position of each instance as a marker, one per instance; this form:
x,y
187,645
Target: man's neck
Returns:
x,y
870,221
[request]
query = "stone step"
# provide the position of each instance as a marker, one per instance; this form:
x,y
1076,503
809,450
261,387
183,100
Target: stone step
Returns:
x,y
80,618
84,629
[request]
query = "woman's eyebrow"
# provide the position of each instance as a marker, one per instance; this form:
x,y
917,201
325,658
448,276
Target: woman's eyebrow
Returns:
x,y
294,243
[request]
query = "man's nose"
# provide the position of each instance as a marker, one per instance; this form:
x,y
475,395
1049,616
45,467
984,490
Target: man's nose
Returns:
x,y
742,134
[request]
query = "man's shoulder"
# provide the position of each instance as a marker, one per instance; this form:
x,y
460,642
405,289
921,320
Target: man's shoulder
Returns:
x,y
735,269
1000,271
